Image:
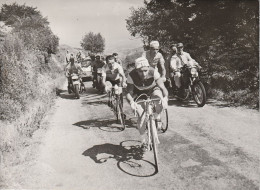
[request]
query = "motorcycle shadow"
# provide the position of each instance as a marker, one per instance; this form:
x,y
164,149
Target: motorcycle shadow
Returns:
x,y
68,96
182,103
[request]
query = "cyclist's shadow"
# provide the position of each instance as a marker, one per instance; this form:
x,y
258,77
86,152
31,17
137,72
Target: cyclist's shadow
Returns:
x,y
132,156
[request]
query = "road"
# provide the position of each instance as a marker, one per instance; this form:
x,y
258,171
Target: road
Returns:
x,y
214,147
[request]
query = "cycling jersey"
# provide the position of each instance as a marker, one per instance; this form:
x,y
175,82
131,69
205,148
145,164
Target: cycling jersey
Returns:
x,y
153,59
143,86
111,72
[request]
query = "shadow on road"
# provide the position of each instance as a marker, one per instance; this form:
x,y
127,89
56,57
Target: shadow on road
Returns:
x,y
68,96
131,155
186,103
104,125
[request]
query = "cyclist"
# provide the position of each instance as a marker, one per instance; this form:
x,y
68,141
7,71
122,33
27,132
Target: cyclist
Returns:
x,y
156,59
117,59
113,73
144,79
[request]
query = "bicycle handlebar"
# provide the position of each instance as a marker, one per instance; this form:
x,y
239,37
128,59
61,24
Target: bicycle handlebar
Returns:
x,y
148,100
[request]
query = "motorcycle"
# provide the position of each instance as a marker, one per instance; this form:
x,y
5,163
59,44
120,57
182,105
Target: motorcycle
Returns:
x,y
191,84
76,85
99,80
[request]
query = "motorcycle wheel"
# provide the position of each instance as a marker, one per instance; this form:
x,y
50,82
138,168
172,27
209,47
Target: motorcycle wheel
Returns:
x,y
77,91
199,94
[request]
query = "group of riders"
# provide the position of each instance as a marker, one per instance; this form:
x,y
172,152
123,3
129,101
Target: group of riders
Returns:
x,y
147,77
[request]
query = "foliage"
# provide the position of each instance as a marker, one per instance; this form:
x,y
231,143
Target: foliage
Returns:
x,y
25,60
222,35
30,26
94,43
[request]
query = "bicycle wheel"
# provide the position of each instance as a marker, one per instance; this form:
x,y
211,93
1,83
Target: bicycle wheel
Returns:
x,y
120,116
153,132
164,120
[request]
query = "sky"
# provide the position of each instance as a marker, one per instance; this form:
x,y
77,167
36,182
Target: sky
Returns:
x,y
70,20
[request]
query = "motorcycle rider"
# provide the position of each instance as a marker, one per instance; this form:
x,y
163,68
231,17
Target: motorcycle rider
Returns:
x,y
112,74
155,58
144,79
184,59
72,68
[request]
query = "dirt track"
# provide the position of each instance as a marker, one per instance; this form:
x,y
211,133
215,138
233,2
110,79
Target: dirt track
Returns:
x,y
214,147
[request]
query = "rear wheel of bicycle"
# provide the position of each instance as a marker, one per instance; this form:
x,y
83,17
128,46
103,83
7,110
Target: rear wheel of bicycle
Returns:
x,y
120,116
153,132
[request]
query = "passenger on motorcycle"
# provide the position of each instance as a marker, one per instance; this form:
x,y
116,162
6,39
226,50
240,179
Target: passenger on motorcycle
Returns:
x,y
144,79
155,58
112,74
184,59
175,67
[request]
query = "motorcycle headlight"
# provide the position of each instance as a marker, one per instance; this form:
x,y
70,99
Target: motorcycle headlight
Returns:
x,y
194,72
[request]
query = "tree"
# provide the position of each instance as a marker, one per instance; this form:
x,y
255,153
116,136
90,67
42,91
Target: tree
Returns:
x,y
94,43
10,13
222,35
31,27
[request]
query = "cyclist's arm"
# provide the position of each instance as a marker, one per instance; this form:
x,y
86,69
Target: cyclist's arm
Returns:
x,y
130,93
130,89
104,75
160,84
121,72
161,62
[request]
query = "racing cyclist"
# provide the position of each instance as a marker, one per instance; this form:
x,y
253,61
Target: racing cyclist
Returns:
x,y
144,79
112,74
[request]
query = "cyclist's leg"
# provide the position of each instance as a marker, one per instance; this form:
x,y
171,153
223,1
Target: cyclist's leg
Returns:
x,y
141,124
157,93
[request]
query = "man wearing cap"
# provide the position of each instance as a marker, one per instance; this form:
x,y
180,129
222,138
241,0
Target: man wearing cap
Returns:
x,y
155,58
185,57
144,79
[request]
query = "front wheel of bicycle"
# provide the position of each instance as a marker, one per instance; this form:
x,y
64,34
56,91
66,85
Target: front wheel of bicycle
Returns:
x,y
153,132
164,119
120,116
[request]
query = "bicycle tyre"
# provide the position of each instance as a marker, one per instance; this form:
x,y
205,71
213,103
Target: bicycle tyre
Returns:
x,y
154,144
120,114
164,119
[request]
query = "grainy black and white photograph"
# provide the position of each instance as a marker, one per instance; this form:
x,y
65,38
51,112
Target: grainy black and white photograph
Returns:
x,y
129,94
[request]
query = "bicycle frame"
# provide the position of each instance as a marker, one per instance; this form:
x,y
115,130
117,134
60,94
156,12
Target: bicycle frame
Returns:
x,y
117,105
149,111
